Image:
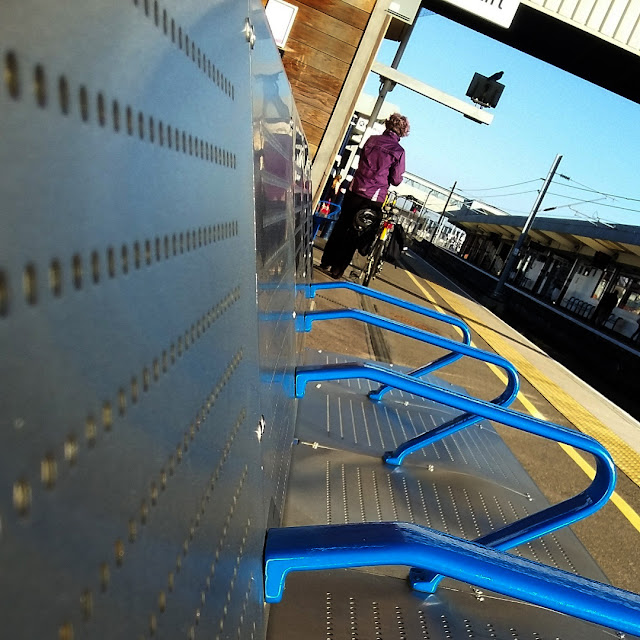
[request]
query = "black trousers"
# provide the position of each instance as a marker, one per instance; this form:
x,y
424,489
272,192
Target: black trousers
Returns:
x,y
343,240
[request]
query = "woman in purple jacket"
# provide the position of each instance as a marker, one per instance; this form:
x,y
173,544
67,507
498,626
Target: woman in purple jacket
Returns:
x,y
381,164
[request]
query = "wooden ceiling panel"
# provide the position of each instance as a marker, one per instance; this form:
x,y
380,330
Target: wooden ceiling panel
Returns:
x,y
302,57
321,41
354,13
314,88
322,25
311,115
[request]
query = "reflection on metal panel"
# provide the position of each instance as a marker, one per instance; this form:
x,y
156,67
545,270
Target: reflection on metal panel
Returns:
x,y
617,21
282,205
131,447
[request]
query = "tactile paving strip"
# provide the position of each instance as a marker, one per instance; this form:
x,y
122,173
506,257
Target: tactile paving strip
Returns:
x,y
624,456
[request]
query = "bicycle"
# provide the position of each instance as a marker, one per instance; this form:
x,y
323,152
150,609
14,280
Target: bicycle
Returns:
x,y
380,245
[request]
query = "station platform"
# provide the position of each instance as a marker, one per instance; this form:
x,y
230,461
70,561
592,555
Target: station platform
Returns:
x,y
583,406
337,475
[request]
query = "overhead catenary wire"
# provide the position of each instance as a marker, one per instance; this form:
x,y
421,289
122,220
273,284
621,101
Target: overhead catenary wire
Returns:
x,y
563,195
506,186
504,195
613,206
584,187
600,204
581,187
482,195
571,204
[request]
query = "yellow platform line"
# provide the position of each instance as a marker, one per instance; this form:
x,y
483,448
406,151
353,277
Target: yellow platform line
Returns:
x,y
624,456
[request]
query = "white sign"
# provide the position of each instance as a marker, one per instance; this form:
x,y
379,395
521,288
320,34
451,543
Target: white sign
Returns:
x,y
500,12
280,16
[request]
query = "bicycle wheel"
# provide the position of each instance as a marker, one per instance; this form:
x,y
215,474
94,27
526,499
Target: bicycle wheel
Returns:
x,y
372,264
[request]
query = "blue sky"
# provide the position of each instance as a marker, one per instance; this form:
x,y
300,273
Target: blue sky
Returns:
x,y
543,111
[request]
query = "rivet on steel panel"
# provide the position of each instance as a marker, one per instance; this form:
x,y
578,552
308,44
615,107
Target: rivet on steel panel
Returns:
x,y
250,32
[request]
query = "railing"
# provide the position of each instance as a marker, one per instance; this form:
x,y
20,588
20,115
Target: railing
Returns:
x,y
587,311
578,306
312,288
392,543
581,308
403,304
457,350
573,301
526,529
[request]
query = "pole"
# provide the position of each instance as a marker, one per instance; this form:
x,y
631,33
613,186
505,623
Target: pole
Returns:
x,y
387,85
446,204
515,252
567,281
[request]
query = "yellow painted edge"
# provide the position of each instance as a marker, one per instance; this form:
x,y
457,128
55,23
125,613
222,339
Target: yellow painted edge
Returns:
x,y
627,511
625,457
625,508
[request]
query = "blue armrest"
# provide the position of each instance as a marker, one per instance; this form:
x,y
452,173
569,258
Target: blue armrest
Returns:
x,y
392,543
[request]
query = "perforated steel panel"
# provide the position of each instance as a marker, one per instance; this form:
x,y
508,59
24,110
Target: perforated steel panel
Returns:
x,y
283,255
132,456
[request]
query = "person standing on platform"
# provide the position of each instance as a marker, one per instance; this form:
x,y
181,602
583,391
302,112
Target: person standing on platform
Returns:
x,y
606,305
382,163
335,185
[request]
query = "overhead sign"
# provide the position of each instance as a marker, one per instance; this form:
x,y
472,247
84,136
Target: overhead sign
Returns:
x,y
500,12
485,91
466,109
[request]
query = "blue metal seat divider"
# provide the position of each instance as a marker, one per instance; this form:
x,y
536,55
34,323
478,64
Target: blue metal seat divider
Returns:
x,y
393,543
311,289
398,302
305,323
526,529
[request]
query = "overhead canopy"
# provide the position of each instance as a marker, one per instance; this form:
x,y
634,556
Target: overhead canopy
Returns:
x,y
620,242
602,49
